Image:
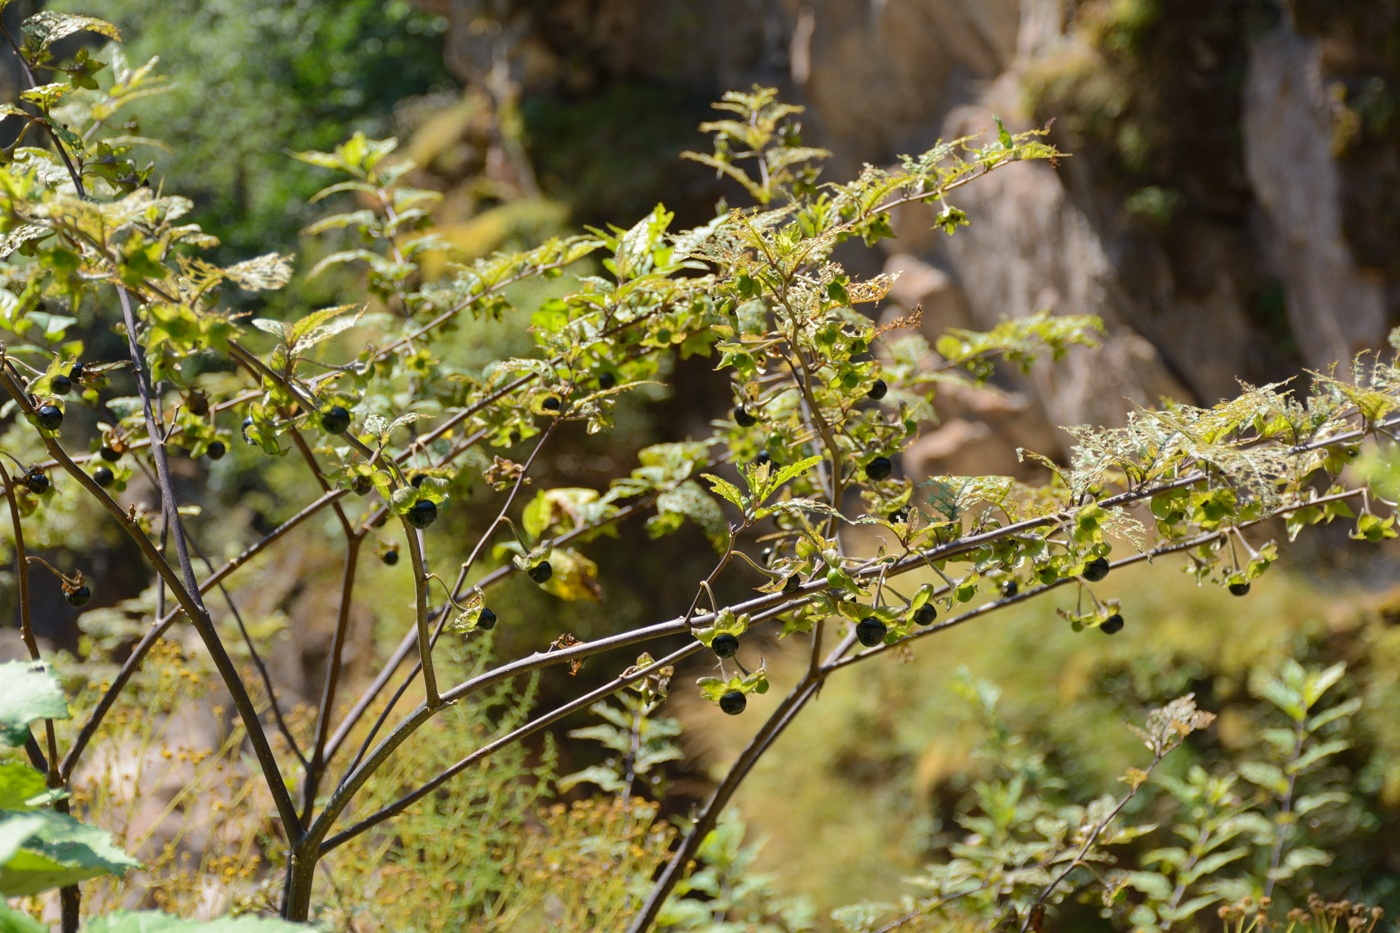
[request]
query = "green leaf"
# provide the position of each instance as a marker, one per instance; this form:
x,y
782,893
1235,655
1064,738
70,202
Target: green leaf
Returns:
x,y
45,28
262,273
28,692
15,921
727,490
61,852
19,784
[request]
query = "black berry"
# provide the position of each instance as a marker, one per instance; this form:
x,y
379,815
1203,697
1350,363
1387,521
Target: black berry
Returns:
x,y
37,481
791,584
61,385
1096,569
1009,588
725,645
733,702
899,515
879,468
75,372
551,404
335,420
1112,625
361,485
103,476
1239,589
925,614
78,596
870,631
762,458
416,479
878,391
110,455
216,450
606,380
247,423
742,417
540,572
50,417
487,620
423,513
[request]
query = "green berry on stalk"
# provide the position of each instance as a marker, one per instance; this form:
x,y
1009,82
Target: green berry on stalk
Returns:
x,y
870,631
110,455
834,578
78,596
50,417
1096,569
878,390
1239,589
1112,625
540,572
925,614
423,513
733,702
215,450
725,645
335,420
879,469
487,620
103,476
61,385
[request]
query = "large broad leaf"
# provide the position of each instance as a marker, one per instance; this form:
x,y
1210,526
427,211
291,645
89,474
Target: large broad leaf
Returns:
x,y
149,921
15,921
19,784
60,852
28,692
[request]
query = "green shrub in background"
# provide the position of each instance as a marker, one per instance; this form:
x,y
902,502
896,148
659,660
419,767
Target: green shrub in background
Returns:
x,y
426,771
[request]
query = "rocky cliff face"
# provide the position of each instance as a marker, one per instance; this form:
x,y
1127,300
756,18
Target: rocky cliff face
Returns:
x,y
1228,210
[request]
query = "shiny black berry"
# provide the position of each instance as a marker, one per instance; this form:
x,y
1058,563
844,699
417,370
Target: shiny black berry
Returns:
x,y
103,476
541,572
37,481
870,631
75,372
742,417
61,385
725,645
1009,588
423,513
762,458
879,468
416,479
1096,569
78,596
606,381
50,417
551,404
733,702
361,485
925,614
110,455
216,450
791,584
878,391
1239,589
335,420
247,423
487,620
391,557
1112,625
